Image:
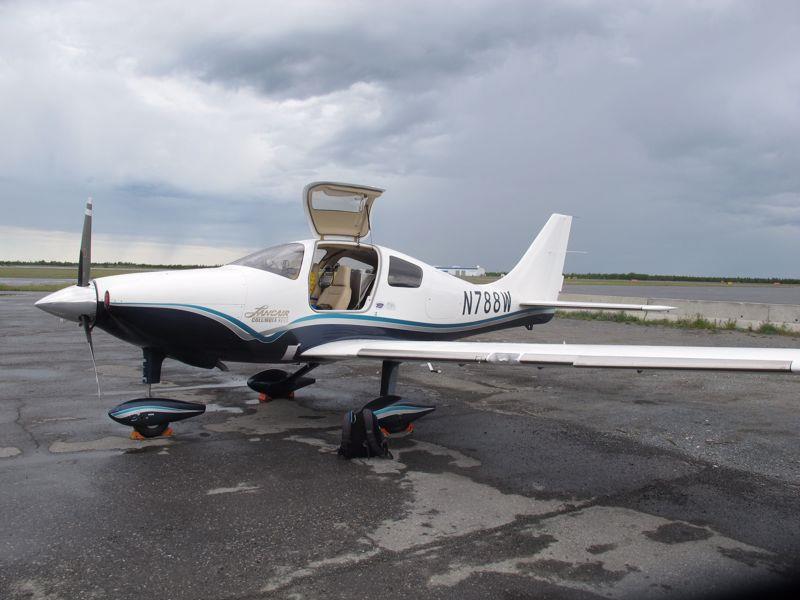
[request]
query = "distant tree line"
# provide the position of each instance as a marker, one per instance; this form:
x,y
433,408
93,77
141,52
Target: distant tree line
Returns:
x,y
110,265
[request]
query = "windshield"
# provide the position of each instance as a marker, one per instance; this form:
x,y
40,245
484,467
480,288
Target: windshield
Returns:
x,y
284,260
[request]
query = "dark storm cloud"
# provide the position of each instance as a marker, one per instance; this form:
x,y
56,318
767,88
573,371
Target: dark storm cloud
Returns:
x,y
671,129
408,47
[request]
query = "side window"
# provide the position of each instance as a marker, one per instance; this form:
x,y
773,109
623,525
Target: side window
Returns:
x,y
404,274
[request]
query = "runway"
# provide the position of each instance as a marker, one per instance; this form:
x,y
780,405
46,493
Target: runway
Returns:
x,y
525,483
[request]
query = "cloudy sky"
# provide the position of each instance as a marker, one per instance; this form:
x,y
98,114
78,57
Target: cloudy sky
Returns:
x,y
670,129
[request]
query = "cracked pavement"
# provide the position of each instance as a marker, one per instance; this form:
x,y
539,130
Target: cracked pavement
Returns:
x,y
558,483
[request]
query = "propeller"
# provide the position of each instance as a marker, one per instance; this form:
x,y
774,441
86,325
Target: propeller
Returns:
x,y
84,279
78,303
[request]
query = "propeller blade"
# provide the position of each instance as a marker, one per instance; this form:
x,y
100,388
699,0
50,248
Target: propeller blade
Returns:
x,y
84,277
85,256
87,329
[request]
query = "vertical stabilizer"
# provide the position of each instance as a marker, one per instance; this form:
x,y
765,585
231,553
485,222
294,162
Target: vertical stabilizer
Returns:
x,y
539,274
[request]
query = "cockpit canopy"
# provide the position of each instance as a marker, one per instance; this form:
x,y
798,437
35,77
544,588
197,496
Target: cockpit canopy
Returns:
x,y
339,209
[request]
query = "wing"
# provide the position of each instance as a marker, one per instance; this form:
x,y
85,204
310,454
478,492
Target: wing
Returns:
x,y
574,355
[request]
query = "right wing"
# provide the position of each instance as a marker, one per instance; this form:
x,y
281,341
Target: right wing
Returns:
x,y
574,355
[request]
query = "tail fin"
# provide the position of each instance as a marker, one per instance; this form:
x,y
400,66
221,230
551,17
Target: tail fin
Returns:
x,y
538,275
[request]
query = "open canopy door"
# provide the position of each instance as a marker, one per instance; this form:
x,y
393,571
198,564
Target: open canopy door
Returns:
x,y
339,209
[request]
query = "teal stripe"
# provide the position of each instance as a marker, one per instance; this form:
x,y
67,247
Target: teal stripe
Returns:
x,y
396,408
126,411
416,323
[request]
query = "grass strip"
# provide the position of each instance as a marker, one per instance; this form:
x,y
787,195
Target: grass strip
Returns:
x,y
633,283
698,322
34,287
60,272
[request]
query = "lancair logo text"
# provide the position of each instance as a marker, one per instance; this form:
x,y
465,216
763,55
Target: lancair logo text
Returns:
x,y
265,314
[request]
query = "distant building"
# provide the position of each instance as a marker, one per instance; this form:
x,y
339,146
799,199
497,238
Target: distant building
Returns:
x,y
476,271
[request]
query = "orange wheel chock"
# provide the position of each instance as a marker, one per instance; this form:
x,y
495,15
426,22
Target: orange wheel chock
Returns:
x,y
138,437
264,398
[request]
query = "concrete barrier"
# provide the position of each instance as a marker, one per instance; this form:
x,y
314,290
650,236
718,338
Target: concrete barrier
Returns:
x,y
743,314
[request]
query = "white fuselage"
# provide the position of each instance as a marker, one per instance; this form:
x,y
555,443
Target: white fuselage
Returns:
x,y
243,313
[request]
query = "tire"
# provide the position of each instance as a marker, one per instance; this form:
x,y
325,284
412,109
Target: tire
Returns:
x,y
151,431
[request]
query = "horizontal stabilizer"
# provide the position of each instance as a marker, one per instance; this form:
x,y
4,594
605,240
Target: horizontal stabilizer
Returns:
x,y
598,306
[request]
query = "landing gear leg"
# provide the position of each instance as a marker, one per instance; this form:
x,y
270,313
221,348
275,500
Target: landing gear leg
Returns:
x,y
151,366
389,371
301,371
151,373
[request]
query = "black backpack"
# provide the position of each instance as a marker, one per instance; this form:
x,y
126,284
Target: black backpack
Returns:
x,y
362,436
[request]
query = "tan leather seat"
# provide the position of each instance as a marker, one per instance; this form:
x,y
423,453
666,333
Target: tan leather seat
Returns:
x,y
337,294
314,288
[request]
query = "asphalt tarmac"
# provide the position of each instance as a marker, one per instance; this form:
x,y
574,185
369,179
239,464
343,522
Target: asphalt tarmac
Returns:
x,y
556,483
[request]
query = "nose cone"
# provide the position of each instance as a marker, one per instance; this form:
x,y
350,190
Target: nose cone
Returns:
x,y
71,303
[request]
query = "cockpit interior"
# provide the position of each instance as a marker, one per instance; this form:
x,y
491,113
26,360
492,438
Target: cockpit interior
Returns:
x,y
342,276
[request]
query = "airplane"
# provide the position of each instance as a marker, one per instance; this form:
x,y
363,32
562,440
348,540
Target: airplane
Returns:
x,y
336,297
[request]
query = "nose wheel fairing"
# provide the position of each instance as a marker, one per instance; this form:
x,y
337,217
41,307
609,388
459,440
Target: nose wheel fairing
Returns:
x,y
150,417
